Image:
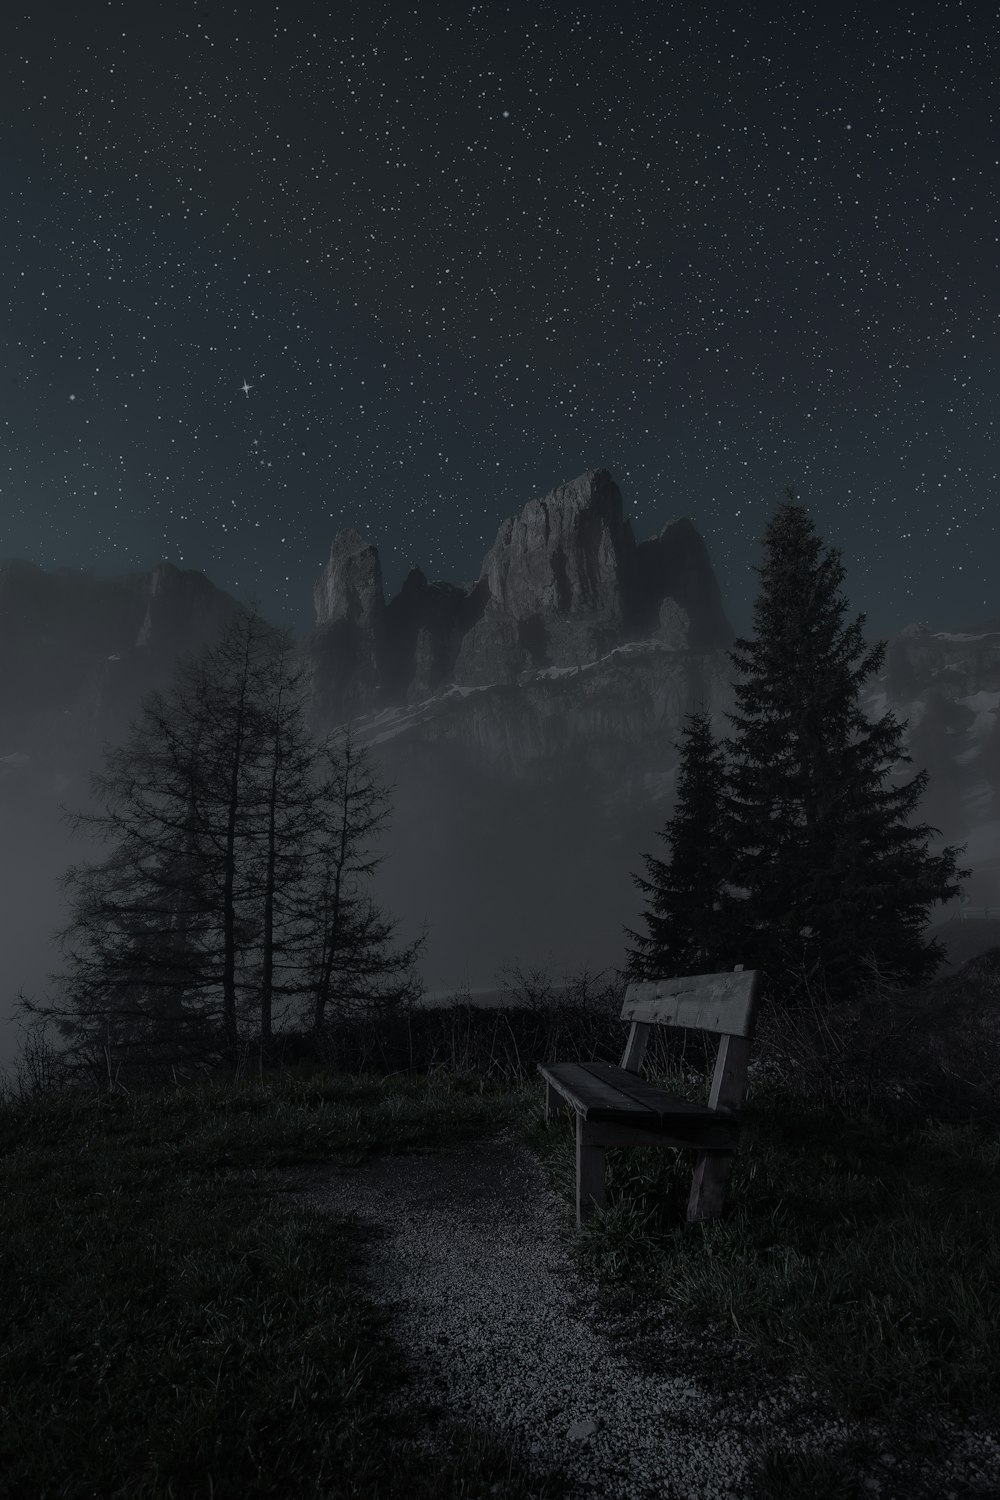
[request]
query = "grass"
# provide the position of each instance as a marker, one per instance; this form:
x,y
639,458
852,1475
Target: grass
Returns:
x,y
171,1331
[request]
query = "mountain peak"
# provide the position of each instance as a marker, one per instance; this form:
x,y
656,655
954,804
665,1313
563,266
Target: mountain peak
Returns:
x,y
350,586
563,583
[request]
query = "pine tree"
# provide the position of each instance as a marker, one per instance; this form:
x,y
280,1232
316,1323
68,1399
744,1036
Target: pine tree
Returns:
x,y
832,874
687,930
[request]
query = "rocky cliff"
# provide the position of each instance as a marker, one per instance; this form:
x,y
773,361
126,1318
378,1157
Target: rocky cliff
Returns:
x,y
563,585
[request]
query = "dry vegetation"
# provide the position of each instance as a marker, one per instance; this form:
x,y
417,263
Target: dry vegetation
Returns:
x,y
170,1333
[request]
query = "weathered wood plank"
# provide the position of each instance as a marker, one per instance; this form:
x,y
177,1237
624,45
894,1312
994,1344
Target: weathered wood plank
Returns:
x,y
723,1003
635,1048
553,1102
729,1080
708,1186
665,1105
590,1173
602,1091
588,1094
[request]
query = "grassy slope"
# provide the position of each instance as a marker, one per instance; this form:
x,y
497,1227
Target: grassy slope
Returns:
x,y
169,1331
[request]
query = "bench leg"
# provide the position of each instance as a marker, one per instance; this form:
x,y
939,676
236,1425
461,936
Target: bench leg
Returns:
x,y
711,1173
589,1174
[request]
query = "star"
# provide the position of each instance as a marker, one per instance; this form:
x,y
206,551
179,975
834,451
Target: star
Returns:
x,y
246,389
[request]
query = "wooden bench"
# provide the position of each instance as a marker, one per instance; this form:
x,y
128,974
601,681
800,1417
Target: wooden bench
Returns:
x,y
615,1107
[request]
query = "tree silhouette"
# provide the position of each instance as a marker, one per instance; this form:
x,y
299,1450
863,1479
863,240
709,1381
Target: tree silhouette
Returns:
x,y
235,869
687,932
345,938
833,877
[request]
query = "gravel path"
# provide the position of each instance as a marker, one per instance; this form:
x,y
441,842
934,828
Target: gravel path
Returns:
x,y
503,1334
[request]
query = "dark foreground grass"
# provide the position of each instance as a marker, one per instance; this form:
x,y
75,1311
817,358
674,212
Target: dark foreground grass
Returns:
x,y
863,1257
170,1331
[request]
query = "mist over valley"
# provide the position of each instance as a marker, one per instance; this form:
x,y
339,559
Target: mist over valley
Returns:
x,y
527,722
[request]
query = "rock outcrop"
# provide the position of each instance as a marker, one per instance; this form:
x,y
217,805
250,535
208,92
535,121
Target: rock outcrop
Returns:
x,y
563,584
350,586
350,621
424,627
675,573
182,610
561,580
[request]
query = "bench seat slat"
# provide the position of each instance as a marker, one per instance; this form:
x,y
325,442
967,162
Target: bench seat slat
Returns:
x,y
602,1091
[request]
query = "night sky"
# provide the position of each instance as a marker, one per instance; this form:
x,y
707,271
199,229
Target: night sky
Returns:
x,y
274,271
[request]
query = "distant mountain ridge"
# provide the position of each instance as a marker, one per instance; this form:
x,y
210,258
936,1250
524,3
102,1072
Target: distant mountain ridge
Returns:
x,y
564,583
77,653
528,719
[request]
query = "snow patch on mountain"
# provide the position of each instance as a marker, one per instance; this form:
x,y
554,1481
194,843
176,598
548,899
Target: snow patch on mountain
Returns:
x,y
984,705
946,635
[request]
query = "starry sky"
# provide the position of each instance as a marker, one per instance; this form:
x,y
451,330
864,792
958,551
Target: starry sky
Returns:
x,y
271,271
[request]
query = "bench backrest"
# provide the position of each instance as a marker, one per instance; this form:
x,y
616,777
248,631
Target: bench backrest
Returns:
x,y
725,1003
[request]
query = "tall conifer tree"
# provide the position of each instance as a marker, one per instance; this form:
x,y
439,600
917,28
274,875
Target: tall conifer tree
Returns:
x,y
832,873
687,930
